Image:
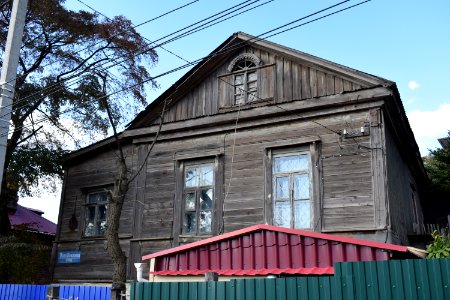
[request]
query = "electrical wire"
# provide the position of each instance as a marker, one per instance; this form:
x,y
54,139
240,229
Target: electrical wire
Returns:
x,y
198,28
231,48
134,27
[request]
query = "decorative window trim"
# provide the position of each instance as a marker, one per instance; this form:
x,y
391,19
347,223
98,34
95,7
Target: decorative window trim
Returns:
x,y
246,56
313,147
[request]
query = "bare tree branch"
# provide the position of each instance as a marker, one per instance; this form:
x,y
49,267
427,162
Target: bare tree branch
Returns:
x,y
153,143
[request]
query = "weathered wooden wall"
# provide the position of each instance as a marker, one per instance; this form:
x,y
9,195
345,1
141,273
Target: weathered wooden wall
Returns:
x,y
288,80
305,103
402,189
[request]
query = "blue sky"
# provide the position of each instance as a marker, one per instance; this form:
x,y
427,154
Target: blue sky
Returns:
x,y
404,41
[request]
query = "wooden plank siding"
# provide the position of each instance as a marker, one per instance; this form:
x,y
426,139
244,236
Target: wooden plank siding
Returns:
x,y
301,106
286,81
345,171
402,188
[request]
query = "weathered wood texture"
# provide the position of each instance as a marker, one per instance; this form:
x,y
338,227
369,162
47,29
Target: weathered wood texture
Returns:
x,y
96,173
280,79
301,105
95,263
404,202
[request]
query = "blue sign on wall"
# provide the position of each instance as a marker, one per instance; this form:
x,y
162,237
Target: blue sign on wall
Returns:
x,y
69,257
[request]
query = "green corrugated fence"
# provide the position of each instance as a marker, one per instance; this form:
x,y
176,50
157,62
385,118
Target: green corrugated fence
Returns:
x,y
396,279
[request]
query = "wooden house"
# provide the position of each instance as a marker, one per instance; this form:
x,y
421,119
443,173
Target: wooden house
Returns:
x,y
254,133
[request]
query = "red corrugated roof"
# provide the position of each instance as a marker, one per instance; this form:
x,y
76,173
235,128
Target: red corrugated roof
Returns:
x,y
265,249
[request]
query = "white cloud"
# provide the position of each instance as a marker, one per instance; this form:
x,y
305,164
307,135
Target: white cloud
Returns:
x,y
430,125
413,85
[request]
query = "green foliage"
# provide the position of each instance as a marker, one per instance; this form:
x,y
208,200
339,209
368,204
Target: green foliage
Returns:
x,y
25,258
437,165
70,62
30,164
440,247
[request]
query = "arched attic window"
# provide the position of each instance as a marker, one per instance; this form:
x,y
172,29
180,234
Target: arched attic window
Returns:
x,y
244,69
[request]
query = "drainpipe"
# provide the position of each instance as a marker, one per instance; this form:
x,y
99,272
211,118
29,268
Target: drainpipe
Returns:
x,y
139,268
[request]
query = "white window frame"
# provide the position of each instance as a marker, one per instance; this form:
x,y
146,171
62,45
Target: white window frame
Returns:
x,y
310,145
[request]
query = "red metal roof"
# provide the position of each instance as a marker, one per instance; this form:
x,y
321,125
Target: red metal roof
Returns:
x,y
265,249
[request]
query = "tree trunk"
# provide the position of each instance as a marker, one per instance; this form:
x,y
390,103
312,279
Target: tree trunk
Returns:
x,y
118,257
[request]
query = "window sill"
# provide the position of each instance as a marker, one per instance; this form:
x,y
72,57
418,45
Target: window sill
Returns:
x,y
197,236
253,104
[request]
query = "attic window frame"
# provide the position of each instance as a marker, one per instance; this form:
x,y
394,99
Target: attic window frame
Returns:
x,y
244,69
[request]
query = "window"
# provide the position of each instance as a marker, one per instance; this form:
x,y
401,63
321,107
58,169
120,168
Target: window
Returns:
x,y
245,82
292,183
198,198
292,190
95,214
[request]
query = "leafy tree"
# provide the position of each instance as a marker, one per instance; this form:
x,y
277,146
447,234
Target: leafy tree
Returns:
x,y
440,246
68,60
437,165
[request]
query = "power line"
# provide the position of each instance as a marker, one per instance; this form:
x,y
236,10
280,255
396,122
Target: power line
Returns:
x,y
140,24
198,28
231,48
145,22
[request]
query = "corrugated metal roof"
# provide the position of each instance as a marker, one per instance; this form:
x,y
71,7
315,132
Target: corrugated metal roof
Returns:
x,y
264,249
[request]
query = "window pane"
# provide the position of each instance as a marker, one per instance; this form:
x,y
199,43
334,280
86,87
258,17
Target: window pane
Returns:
x,y
291,163
101,227
189,223
206,199
92,198
302,214
282,187
89,229
189,200
206,175
103,197
252,97
192,177
102,212
251,86
282,214
251,76
205,221
238,79
301,186
239,99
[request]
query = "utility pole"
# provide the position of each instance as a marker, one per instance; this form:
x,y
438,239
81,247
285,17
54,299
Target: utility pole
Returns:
x,y
9,73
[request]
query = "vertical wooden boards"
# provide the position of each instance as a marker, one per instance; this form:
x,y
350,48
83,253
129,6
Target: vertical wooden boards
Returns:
x,y
226,91
280,78
377,145
401,186
140,180
306,86
296,81
287,81
279,87
266,82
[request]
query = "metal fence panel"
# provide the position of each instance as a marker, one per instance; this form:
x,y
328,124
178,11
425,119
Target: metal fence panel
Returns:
x,y
406,279
22,292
